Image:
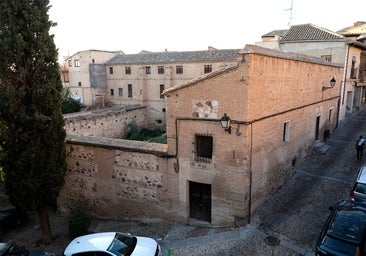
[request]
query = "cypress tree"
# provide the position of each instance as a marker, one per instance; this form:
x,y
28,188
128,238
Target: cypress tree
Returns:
x,y
32,131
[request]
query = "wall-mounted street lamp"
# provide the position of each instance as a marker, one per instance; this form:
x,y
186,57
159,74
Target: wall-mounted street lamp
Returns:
x,y
332,83
225,123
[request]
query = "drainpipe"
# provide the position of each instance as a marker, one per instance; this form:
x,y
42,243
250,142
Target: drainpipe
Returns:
x,y
250,174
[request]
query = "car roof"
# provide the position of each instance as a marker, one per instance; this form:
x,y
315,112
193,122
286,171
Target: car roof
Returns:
x,y
92,242
362,174
348,224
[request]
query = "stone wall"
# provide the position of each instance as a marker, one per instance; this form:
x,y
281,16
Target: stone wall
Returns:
x,y
110,123
121,179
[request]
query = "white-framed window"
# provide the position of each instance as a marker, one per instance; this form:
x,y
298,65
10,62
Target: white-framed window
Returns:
x,y
148,70
77,63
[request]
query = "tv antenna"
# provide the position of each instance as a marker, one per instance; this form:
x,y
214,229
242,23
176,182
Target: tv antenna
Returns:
x,y
290,9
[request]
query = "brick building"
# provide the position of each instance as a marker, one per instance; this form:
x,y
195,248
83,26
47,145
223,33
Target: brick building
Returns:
x,y
279,104
342,47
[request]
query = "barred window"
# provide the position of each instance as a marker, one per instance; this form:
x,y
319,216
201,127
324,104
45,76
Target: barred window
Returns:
x,y
179,69
207,69
204,148
128,70
161,70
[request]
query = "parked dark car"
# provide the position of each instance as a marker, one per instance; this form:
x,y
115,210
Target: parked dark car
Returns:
x,y
344,232
9,249
358,192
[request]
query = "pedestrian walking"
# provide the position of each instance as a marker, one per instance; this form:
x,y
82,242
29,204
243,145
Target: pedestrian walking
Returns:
x,y
360,145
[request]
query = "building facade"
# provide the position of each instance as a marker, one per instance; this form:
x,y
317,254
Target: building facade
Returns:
x,y
141,78
84,74
278,105
333,47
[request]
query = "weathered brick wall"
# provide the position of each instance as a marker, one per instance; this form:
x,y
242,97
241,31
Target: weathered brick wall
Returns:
x,y
121,179
111,122
262,93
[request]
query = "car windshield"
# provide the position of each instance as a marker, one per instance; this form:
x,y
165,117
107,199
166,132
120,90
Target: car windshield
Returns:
x,y
122,245
348,226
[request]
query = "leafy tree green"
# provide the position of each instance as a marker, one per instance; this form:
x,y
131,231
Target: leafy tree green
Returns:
x,y
32,134
69,104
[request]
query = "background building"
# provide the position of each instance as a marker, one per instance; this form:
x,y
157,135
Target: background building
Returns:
x,y
85,75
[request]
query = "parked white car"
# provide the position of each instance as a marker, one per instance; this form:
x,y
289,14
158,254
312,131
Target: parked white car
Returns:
x,y
112,244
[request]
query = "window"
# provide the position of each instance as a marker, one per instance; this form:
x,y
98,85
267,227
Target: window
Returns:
x,y
128,70
204,148
161,70
162,87
77,63
179,69
130,90
112,92
93,61
327,58
330,115
207,69
286,131
70,63
353,74
79,83
111,70
148,70
120,92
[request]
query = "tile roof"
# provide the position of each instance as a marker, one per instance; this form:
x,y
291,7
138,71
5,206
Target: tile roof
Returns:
x,y
279,32
310,32
286,55
357,29
169,57
193,81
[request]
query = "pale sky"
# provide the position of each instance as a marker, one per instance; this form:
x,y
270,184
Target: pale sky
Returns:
x,y
189,25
